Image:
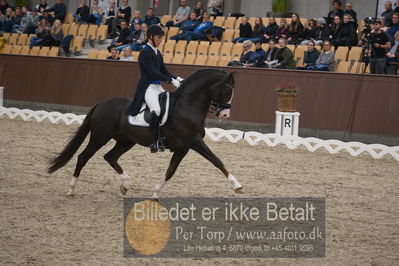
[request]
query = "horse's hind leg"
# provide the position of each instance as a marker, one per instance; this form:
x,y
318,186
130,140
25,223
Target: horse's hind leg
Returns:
x,y
174,163
112,158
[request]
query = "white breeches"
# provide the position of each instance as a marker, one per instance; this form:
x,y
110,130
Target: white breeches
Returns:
x,y
151,97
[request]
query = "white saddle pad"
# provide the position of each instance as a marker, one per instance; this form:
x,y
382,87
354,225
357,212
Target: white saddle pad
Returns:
x,y
139,120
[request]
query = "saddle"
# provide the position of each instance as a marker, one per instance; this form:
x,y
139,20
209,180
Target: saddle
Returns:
x,y
143,118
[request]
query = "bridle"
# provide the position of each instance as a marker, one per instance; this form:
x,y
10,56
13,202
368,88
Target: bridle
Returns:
x,y
219,107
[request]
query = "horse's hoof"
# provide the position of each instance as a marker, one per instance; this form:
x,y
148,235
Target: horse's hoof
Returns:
x,y
238,190
123,190
69,195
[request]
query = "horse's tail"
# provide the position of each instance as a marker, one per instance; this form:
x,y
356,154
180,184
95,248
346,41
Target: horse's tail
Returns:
x,y
73,145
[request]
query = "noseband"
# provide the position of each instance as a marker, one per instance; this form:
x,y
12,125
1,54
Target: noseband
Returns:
x,y
219,107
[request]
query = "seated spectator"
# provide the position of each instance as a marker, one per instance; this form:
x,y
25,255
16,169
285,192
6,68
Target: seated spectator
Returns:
x,y
41,6
336,28
136,20
283,30
56,35
42,31
284,56
270,57
7,21
198,34
326,59
82,13
114,54
349,10
393,56
323,32
126,54
271,30
310,57
245,31
260,55
258,30
32,23
59,10
123,37
215,8
397,7
3,7
296,30
17,16
96,13
109,15
48,17
26,24
182,14
191,23
124,13
136,39
394,26
348,34
336,11
247,57
199,10
151,19
310,30
384,26
387,14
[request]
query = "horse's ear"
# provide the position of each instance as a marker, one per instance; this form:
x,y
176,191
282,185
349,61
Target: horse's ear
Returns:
x,y
232,77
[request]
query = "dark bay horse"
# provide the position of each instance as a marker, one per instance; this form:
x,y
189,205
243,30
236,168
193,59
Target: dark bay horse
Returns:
x,y
184,129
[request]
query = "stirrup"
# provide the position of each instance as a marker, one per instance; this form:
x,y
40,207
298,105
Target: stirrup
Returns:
x,y
158,146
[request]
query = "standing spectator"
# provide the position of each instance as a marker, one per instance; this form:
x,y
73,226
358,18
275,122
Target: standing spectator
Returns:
x,y
182,14
7,21
387,14
284,56
109,15
215,8
247,57
283,30
3,7
310,31
48,17
397,7
124,13
270,57
347,35
191,23
336,28
123,37
245,31
336,11
326,60
96,14
393,56
136,20
59,10
380,44
198,34
199,10
42,32
349,10
296,30
41,6
114,54
310,57
82,13
259,29
271,30
151,19
395,25
126,54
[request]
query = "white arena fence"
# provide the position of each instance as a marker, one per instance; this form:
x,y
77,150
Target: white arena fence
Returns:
x,y
376,151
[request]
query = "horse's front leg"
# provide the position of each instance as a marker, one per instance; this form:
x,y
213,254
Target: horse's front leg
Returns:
x,y
204,150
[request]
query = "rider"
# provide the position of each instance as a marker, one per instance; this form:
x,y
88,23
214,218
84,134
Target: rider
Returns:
x,y
153,71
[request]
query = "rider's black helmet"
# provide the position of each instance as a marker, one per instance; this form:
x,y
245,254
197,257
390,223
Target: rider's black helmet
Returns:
x,y
155,30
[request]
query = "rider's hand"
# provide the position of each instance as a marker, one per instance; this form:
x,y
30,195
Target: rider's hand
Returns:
x,y
180,79
176,83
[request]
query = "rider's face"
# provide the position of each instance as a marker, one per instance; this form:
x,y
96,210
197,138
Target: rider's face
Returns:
x,y
157,40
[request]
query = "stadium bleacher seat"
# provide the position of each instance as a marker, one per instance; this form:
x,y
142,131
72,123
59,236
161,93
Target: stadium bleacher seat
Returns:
x,y
224,60
69,18
13,39
92,54
77,44
102,32
291,47
16,49
226,49
192,48
6,35
343,67
238,22
173,31
22,40
25,50
35,50
299,55
265,21
168,59
177,59
214,49
92,32
65,28
82,31
228,35
355,53
165,19
237,50
201,60
203,49
135,56
251,21
54,51
265,46
189,60
169,49
341,54
73,29
219,21
230,23
180,48
212,61
102,54
44,51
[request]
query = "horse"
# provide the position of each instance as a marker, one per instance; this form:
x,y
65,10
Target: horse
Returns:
x,y
184,129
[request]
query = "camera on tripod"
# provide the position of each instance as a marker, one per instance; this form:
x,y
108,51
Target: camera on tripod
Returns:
x,y
367,30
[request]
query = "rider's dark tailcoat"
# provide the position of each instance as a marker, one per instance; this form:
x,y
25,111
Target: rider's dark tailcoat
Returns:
x,y
152,70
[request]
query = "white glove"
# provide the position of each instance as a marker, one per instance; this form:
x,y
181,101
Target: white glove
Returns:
x,y
176,83
180,79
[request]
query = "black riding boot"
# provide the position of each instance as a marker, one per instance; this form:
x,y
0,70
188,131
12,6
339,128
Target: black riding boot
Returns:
x,y
158,144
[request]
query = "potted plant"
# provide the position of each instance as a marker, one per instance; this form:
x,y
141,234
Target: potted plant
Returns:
x,y
279,9
287,97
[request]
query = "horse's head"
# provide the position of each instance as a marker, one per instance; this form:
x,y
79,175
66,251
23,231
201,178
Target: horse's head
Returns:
x,y
222,96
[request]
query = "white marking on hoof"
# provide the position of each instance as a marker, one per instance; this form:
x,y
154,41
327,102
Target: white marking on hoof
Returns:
x,y
125,182
239,190
236,185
